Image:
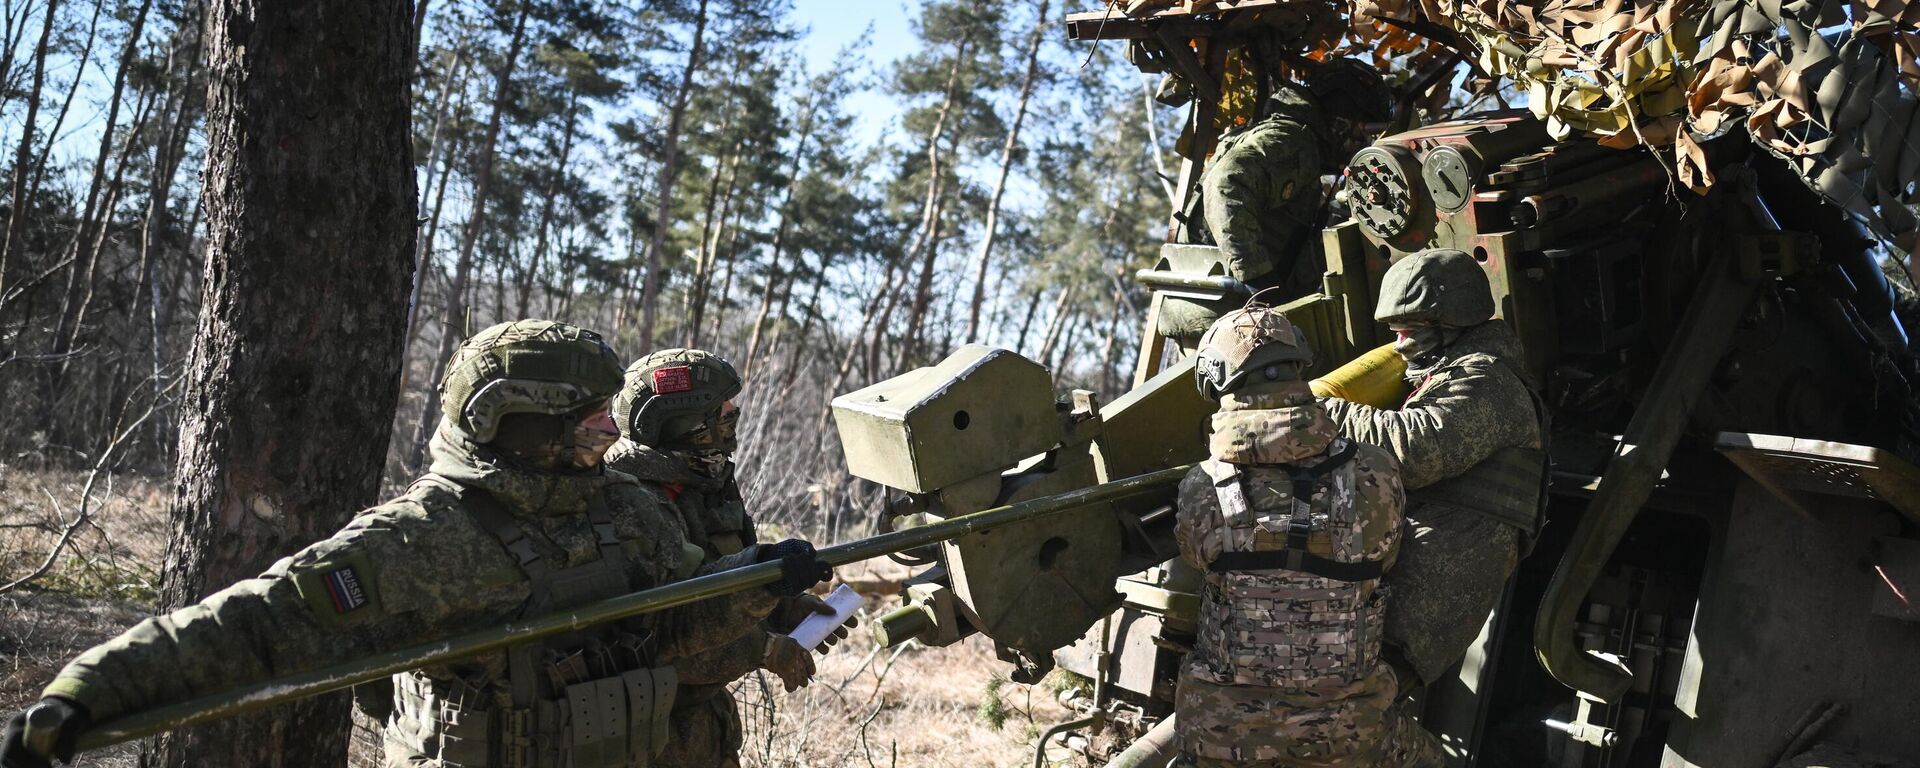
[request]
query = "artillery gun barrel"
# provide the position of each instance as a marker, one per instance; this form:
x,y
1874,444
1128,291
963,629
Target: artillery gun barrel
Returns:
x,y
336,677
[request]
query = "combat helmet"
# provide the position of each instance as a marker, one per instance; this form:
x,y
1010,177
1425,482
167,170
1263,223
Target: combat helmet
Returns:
x,y
1352,89
674,392
1244,342
1441,286
526,366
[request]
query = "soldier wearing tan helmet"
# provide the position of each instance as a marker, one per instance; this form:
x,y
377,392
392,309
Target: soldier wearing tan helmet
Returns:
x,y
1470,442
516,518
677,422
1293,527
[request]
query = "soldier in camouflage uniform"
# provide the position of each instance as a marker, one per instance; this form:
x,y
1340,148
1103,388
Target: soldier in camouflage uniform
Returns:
x,y
516,518
1260,199
677,419
1470,441
1293,527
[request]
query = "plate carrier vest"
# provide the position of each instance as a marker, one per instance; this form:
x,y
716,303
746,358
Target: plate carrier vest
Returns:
x,y
588,699
1274,613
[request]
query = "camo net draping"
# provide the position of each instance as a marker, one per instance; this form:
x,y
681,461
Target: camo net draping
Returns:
x,y
1827,85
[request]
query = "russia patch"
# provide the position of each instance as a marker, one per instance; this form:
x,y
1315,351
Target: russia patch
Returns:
x,y
667,381
343,588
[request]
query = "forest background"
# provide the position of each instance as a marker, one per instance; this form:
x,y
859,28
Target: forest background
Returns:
x,y
826,193
706,173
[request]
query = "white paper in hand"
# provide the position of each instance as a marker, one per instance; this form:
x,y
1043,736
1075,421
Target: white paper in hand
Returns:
x,y
814,629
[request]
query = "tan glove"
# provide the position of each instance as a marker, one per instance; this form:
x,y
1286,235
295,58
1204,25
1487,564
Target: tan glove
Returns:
x,y
788,660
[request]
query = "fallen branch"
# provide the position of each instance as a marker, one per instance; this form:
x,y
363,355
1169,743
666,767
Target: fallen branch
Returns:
x,y
81,516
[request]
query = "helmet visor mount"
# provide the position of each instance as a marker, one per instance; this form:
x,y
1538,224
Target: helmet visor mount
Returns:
x,y
499,398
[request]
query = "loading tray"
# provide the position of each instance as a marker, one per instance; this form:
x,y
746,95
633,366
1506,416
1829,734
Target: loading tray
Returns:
x,y
1795,468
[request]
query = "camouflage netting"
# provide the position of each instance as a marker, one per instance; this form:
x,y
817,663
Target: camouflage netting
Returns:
x,y
1827,85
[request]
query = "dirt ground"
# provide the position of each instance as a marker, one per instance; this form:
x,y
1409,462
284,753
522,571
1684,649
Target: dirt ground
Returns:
x,y
868,707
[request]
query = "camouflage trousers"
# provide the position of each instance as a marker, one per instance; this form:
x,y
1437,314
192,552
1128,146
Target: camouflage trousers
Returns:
x,y
1355,726
706,731
1453,566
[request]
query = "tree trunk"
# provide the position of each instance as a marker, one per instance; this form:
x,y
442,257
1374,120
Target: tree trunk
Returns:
x,y
559,172
22,205
1108,346
453,324
692,302
1007,150
184,56
91,212
709,255
309,195
929,212
726,283
669,172
66,104
430,225
804,136
17,17
1033,308
73,313
1055,325
923,289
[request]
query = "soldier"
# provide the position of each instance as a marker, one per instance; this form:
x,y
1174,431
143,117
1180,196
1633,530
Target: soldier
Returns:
x,y
516,518
677,419
1293,527
1470,443
1260,199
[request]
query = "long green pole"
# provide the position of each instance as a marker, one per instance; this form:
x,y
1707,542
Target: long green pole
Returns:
x,y
336,677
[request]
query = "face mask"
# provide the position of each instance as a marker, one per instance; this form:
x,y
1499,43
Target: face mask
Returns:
x,y
1417,343
708,463
592,437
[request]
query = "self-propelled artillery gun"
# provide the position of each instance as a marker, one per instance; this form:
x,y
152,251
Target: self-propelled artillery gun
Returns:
x,y
1685,227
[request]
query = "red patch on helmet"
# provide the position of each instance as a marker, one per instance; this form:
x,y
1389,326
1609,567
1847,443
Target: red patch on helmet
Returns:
x,y
667,381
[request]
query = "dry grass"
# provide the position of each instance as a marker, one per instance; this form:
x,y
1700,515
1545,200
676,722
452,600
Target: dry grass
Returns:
x,y
872,707
114,553
868,707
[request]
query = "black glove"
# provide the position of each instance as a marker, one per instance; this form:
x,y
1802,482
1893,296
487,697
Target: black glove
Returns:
x,y
800,568
58,724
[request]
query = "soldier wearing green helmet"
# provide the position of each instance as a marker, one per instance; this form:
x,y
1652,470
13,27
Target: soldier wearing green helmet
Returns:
x,y
677,422
1260,199
1292,527
517,517
1470,440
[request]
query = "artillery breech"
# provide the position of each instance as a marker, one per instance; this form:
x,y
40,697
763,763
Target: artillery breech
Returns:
x,y
338,676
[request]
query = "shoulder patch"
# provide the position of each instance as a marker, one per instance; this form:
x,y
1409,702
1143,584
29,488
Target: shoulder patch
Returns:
x,y
339,588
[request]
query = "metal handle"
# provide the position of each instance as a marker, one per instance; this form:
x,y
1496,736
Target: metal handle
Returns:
x,y
1221,284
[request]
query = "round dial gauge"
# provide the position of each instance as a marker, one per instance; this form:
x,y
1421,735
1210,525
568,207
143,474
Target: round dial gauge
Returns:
x,y
1449,178
1383,190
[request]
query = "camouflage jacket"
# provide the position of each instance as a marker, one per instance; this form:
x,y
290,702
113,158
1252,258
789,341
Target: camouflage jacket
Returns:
x,y
1285,663
415,569
1474,402
1260,195
715,519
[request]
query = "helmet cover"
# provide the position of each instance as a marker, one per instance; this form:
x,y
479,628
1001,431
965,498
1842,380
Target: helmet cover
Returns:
x,y
1441,286
526,366
1256,339
676,393
1352,89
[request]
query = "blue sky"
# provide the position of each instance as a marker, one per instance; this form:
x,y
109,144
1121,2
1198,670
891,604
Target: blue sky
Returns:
x,y
832,24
